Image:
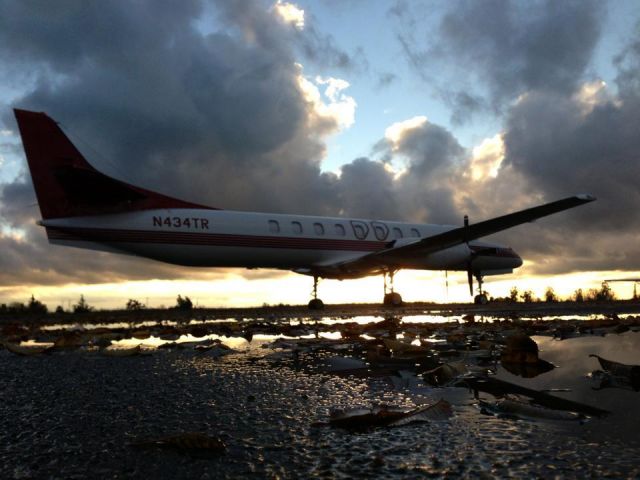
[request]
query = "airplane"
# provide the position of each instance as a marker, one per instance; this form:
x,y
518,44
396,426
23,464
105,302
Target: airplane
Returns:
x,y
82,207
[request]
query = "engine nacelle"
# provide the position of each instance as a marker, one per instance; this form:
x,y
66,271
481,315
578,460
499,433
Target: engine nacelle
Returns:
x,y
454,258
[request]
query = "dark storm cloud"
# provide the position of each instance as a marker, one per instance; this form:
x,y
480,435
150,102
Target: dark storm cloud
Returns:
x,y
368,190
167,99
557,146
560,144
219,118
425,189
17,203
216,118
430,158
559,139
510,47
463,105
428,148
64,34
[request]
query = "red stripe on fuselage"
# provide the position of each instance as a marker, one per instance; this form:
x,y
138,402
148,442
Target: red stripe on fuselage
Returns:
x,y
209,239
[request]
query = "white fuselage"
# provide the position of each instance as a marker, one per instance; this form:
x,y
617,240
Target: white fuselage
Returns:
x,y
223,238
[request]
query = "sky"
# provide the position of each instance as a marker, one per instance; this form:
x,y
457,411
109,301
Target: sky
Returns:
x,y
406,110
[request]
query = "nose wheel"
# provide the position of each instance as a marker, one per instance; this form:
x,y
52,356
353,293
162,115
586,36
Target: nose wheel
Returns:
x,y
481,298
315,303
391,297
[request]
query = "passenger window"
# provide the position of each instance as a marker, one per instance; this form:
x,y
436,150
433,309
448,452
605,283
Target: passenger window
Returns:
x,y
296,227
274,226
415,232
340,230
397,233
360,229
318,228
380,230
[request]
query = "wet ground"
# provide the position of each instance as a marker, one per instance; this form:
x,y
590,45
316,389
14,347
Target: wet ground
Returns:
x,y
78,413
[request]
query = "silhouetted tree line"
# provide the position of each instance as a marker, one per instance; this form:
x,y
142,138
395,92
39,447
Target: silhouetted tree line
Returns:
x,y
183,303
36,307
33,306
135,305
602,294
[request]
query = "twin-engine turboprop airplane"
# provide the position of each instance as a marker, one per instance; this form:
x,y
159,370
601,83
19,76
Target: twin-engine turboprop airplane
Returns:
x,y
84,208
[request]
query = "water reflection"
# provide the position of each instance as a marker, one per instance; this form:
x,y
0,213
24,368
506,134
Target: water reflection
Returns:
x,y
237,343
265,400
574,366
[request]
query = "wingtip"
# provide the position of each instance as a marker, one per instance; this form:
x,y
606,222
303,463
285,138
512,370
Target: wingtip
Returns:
x,y
586,197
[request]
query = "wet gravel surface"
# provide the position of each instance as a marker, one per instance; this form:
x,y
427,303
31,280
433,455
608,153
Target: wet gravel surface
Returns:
x,y
78,414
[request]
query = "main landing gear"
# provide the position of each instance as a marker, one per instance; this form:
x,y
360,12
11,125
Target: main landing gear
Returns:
x,y
481,298
391,297
315,303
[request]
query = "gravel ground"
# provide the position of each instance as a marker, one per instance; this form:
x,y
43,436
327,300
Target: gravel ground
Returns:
x,y
79,414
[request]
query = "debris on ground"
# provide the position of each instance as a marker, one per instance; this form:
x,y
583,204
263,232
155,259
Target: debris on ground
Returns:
x,y
520,357
501,388
28,349
515,408
363,418
617,374
445,373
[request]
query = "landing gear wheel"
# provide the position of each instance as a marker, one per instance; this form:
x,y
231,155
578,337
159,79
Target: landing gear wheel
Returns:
x,y
480,299
316,304
394,299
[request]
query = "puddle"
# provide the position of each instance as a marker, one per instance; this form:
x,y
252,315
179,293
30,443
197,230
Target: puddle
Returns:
x,y
60,412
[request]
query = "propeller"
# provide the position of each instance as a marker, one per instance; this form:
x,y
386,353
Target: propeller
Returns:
x,y
446,281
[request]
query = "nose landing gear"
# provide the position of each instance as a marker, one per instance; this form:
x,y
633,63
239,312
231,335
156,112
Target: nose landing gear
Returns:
x,y
391,297
481,298
315,303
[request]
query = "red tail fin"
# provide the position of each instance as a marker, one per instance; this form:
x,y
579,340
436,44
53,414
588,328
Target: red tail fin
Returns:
x,y
67,185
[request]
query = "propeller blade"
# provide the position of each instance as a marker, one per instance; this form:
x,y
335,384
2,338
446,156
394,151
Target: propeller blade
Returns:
x,y
469,271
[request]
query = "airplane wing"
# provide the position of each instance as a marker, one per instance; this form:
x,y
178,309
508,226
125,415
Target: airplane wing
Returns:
x,y
396,251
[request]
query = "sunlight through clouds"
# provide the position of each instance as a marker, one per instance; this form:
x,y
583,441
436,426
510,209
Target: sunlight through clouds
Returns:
x,y
396,131
486,158
592,94
290,13
332,104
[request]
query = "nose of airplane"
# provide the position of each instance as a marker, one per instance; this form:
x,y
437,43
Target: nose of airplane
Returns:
x,y
517,260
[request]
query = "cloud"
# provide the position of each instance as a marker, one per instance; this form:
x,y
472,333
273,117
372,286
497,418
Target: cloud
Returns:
x,y
507,47
395,132
385,79
336,109
487,158
557,145
430,156
229,118
217,118
367,189
290,13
